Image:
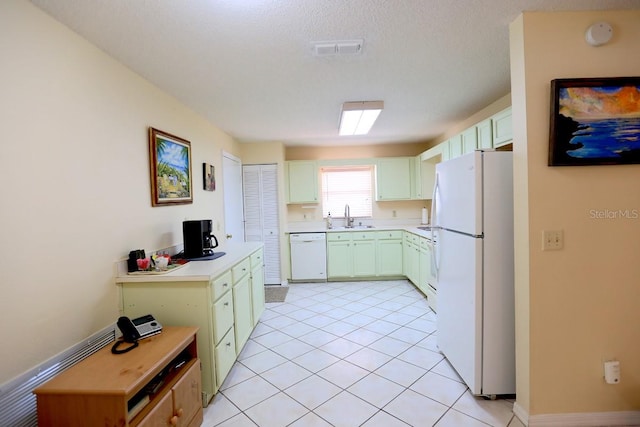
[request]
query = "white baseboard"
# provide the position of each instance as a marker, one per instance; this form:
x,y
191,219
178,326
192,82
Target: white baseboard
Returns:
x,y
582,419
521,413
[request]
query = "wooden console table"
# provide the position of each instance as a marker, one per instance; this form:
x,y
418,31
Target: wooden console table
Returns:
x,y
156,384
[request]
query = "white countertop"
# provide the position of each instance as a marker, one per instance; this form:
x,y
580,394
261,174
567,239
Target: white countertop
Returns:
x,y
412,228
197,271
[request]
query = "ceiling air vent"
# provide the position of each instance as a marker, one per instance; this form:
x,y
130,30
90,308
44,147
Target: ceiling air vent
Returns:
x,y
337,47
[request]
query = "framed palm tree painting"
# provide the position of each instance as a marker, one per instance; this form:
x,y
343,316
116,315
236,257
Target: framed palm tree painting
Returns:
x,y
595,121
170,161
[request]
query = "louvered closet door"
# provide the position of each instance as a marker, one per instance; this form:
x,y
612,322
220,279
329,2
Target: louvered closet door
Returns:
x,y
260,185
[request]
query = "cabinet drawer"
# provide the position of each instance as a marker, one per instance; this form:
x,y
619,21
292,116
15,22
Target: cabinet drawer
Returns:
x,y
337,237
363,235
425,243
411,238
221,285
222,316
391,234
225,356
257,259
241,269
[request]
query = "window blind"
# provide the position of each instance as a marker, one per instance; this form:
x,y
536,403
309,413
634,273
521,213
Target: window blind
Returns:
x,y
344,185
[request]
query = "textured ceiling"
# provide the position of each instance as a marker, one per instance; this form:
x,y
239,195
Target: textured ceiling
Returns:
x,y
248,65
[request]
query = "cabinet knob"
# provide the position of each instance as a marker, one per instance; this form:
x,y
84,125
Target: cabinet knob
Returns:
x,y
180,412
225,284
229,236
226,304
173,421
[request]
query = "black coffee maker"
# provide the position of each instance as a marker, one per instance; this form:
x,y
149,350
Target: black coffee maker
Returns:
x,y
197,238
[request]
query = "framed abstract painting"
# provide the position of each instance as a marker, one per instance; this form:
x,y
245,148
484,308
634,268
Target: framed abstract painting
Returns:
x,y
595,121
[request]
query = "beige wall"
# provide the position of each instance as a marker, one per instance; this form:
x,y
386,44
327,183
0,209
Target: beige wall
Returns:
x,y
75,183
355,152
582,301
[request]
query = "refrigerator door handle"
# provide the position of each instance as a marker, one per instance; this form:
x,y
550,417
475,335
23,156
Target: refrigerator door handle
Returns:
x,y
434,259
433,205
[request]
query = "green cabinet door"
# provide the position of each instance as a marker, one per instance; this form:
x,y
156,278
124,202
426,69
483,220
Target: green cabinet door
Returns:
x,y
302,181
339,259
502,128
242,312
257,293
390,260
424,261
393,178
364,258
485,134
469,140
455,146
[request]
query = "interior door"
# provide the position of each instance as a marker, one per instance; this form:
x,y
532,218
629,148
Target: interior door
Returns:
x,y
232,184
262,224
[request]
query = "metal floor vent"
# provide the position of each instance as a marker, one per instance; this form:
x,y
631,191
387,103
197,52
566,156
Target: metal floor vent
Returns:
x,y
17,400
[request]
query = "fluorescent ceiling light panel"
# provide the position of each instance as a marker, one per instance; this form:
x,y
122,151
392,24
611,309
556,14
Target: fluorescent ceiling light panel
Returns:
x,y
357,118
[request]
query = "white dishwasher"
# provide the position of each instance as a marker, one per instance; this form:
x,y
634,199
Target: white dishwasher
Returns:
x,y
308,256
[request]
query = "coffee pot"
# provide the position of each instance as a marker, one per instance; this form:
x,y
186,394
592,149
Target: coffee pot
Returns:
x,y
197,238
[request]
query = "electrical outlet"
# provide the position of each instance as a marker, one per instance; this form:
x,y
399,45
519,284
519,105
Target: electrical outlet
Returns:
x,y
552,240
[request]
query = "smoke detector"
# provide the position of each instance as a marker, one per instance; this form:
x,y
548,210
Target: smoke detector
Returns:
x,y
337,47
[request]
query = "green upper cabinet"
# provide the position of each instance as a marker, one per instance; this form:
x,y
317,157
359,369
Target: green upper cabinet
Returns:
x,y
485,134
428,161
302,179
444,150
393,178
469,140
502,128
455,146
417,191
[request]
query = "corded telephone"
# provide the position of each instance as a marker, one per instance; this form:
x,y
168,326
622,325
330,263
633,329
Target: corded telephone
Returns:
x,y
134,330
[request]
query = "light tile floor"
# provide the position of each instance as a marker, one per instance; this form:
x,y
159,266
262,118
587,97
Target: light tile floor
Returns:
x,y
348,354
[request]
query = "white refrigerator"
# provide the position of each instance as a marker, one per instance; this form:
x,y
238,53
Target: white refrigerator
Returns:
x,y
472,216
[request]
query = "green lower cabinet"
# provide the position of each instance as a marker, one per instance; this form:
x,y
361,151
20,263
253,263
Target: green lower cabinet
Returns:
x,y
417,260
225,354
424,257
363,254
364,258
257,293
389,253
411,262
339,259
242,312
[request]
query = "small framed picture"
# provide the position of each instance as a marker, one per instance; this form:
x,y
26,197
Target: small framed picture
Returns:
x,y
209,177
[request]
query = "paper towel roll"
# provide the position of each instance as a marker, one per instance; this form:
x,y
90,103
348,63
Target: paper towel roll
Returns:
x,y
425,216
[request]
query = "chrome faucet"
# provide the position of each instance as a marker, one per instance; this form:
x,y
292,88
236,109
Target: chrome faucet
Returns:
x,y
348,221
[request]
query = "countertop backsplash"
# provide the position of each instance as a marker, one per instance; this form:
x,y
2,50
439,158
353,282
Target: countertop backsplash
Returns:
x,y
318,226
